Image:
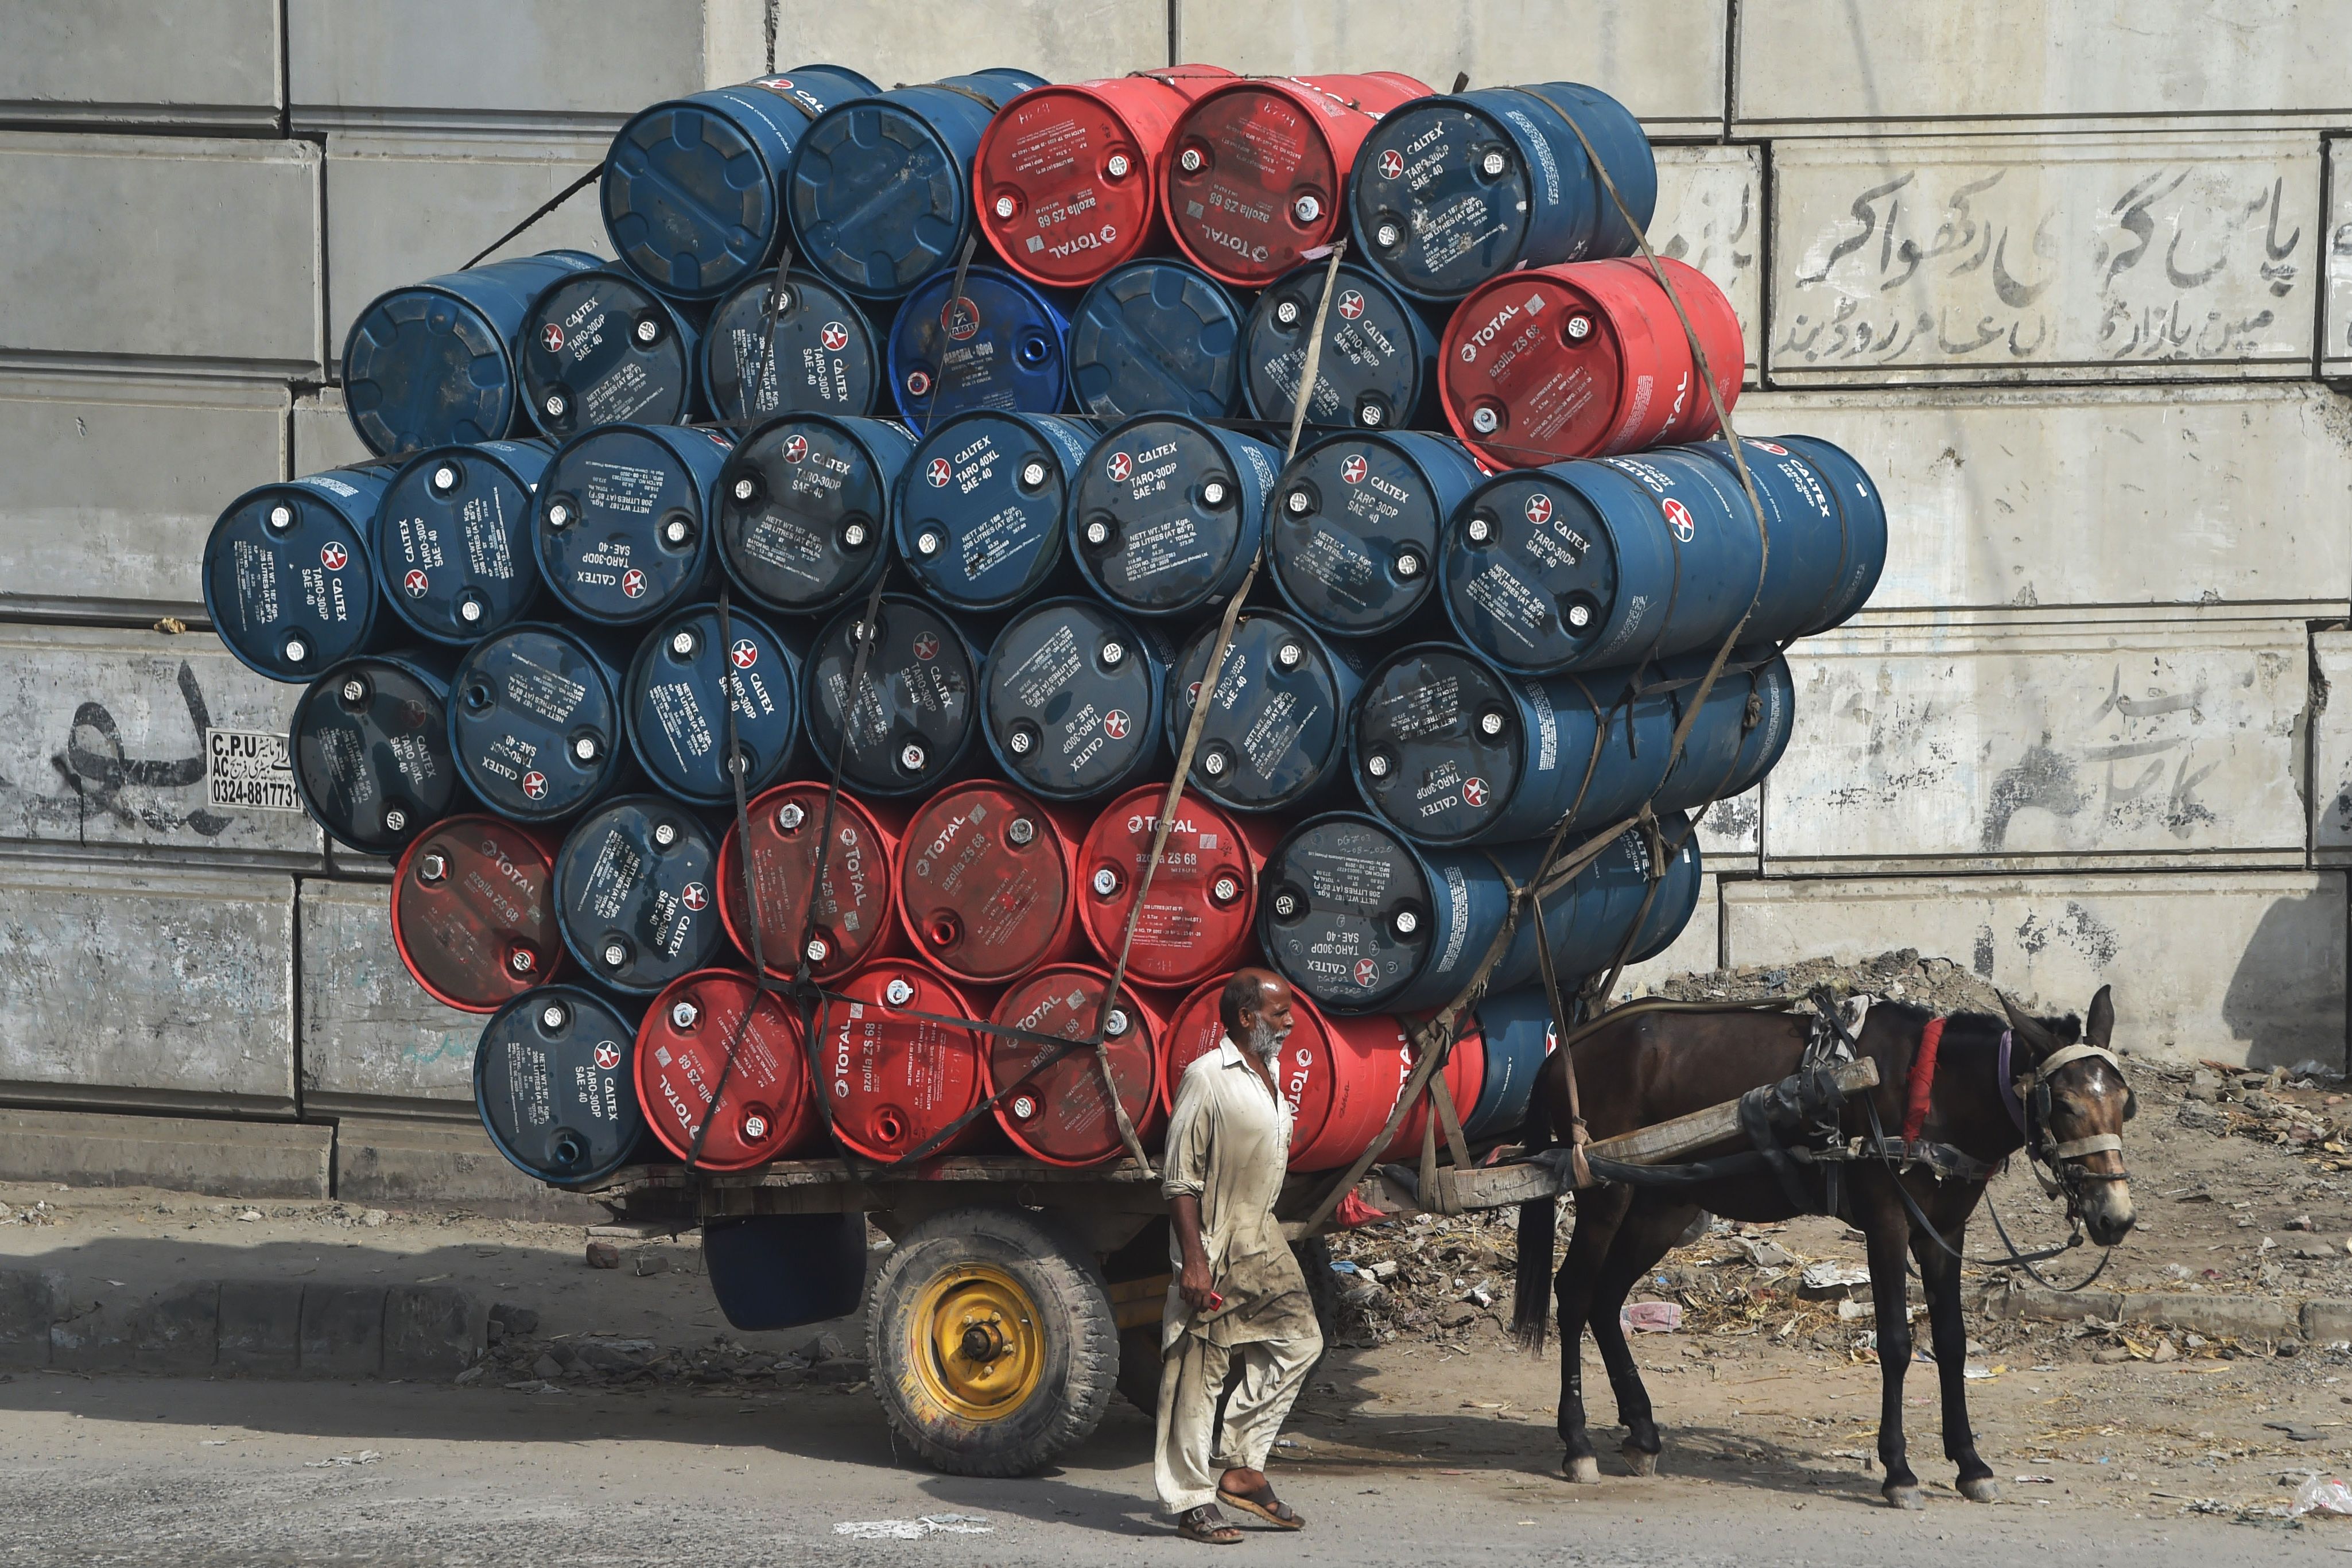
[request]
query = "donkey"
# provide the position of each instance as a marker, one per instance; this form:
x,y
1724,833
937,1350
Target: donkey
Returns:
x,y
2050,1085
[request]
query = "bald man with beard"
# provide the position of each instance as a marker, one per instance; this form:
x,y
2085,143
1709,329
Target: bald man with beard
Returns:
x,y
1239,1298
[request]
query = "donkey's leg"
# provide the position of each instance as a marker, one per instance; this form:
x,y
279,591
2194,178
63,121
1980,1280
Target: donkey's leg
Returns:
x,y
1939,1272
1888,1232
1599,1212
1648,1231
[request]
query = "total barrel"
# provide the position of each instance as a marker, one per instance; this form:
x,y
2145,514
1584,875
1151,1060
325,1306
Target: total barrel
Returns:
x,y
1356,524
453,538
1260,165
801,509
1167,512
987,881
438,363
810,349
1156,337
601,348
689,671
1450,192
1378,370
1586,359
880,186
553,1085
1072,698
911,726
1065,175
371,743
535,721
1277,735
723,1090
693,187
979,507
287,576
622,529
854,916
1196,919
897,1080
1058,1108
633,885
998,345
473,912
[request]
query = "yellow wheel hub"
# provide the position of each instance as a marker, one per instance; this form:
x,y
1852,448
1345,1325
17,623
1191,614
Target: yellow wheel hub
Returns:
x,y
979,1349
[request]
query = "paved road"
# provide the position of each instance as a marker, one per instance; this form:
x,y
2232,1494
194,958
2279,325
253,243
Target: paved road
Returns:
x,y
198,1474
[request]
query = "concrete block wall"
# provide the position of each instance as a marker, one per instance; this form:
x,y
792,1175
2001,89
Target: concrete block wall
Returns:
x,y
2075,292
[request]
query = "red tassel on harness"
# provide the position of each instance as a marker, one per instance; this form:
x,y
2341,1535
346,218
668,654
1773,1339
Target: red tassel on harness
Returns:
x,y
1923,1077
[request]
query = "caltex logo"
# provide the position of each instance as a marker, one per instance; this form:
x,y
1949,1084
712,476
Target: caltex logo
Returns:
x,y
633,584
1366,971
1351,304
415,581
1391,164
694,897
608,1055
939,473
795,448
1678,517
1474,792
1120,465
927,646
334,557
1115,724
1354,469
744,654
534,784
1777,451
551,338
1539,508
833,336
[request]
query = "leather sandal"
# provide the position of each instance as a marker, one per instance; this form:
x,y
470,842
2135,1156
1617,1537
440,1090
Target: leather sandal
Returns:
x,y
1265,1505
1206,1525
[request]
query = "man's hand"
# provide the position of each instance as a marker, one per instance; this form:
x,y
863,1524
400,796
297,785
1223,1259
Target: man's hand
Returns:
x,y
1194,1282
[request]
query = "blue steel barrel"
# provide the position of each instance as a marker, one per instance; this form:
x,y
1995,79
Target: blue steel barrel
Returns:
x,y
601,348
980,505
1071,699
1447,193
915,715
440,362
676,704
288,576
1357,519
1378,365
1599,906
823,353
635,885
1864,511
1276,734
371,744
555,1085
1516,1029
1168,512
535,721
1002,344
622,528
1740,733
801,509
453,538
1156,337
693,191
880,187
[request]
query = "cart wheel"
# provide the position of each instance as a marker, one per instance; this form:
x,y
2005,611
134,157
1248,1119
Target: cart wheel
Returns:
x,y
991,1342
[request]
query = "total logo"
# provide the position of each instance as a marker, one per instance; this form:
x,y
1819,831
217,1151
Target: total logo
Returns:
x,y
550,337
927,646
1354,469
1114,724
534,784
1366,971
1474,791
1391,164
334,557
633,584
834,336
1538,508
744,654
1679,519
1119,467
939,473
694,896
795,448
608,1056
416,583
1351,304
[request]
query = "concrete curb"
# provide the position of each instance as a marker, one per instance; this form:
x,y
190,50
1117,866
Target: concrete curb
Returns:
x,y
2214,1315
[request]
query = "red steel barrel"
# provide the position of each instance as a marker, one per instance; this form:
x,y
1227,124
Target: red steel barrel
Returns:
x,y
985,882
1257,171
473,912
897,1081
1196,922
1060,1113
1067,175
765,1108
856,903
1583,360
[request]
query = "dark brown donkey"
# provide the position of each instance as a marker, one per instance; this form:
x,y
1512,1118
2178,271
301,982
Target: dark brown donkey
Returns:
x,y
2070,1102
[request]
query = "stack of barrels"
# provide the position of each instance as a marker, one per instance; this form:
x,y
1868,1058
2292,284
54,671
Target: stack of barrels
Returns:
x,y
1033,354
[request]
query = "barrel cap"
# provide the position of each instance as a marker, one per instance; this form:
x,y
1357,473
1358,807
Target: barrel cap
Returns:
x,y
371,744
914,716
696,1050
553,1085
984,882
633,886
473,912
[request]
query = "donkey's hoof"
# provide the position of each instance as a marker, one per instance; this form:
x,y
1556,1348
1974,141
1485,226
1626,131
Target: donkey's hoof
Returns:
x,y
1584,1470
1983,1489
1907,1497
1638,1462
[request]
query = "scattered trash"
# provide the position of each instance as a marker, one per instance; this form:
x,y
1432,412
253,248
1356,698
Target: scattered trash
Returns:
x,y
915,1528
603,1255
364,1457
250,1215
213,1443
1832,1275
1976,1371
471,1374
2037,1481
647,1261
1766,1254
1652,1316
1338,1265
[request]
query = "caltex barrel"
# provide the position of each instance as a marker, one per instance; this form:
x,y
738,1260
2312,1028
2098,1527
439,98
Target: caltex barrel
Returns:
x,y
802,509
980,508
553,1085
289,577
473,912
1156,337
913,719
1276,734
453,538
814,350
1168,511
1515,1036
1071,704
623,527
535,721
690,669
633,886
371,744
601,348
1355,527
1378,370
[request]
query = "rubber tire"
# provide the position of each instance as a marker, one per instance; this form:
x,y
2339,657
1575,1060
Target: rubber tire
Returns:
x,y
1081,1362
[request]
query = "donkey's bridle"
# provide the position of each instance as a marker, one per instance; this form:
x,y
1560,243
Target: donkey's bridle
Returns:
x,y
2028,1096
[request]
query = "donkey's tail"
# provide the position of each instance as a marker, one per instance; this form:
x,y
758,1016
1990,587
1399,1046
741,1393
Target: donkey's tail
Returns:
x,y
1531,1292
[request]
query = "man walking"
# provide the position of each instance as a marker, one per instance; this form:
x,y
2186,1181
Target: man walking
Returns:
x,y
1238,1297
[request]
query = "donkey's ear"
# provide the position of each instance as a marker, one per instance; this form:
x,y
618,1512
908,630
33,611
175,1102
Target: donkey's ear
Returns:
x,y
2103,1018
2024,1028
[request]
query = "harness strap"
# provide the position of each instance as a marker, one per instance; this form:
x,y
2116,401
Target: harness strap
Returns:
x,y
1756,1122
1923,1080
2096,1144
2010,1098
2066,1055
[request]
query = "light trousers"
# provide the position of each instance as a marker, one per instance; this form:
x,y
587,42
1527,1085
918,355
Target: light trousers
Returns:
x,y
1194,1451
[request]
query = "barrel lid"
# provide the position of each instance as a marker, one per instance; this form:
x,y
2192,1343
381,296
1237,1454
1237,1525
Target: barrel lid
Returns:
x,y
877,198
633,886
288,580
822,355
801,509
1440,743
619,528
1252,181
1073,698
372,755
1303,1072
984,882
855,903
534,722
1197,918
998,345
1278,723
679,697
553,1085
453,538
473,912
914,717
423,367
1345,911
1061,1112
979,510
1353,534
1160,512
1442,196
1376,354
1064,184
599,348
689,199
1156,337
897,1080
1536,370
696,1049
1531,575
